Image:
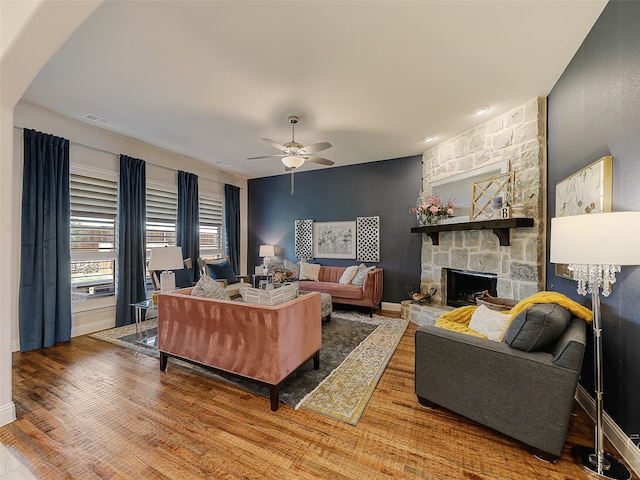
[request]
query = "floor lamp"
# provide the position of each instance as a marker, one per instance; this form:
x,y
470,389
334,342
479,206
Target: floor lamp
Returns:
x,y
595,246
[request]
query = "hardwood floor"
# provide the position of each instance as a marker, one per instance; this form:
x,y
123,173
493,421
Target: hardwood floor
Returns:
x,y
90,410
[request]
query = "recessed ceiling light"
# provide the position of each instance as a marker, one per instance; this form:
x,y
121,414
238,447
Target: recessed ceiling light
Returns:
x,y
428,139
481,110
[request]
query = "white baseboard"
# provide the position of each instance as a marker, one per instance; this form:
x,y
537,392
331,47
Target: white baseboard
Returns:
x,y
392,307
85,322
92,327
623,444
7,413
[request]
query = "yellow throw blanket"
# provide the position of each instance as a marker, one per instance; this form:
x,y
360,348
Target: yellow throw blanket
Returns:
x,y
458,319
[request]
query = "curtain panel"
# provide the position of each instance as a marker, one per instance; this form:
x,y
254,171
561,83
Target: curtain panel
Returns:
x,y
131,265
44,309
232,220
188,223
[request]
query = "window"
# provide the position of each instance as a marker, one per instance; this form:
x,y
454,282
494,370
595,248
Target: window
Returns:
x,y
93,236
162,210
211,225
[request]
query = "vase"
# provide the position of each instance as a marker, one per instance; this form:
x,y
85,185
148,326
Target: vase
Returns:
x,y
428,222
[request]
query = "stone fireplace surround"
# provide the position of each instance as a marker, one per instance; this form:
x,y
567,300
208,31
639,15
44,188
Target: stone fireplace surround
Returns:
x,y
518,138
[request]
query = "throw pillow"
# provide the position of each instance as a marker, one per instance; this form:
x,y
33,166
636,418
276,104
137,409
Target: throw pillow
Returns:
x,y
309,271
275,296
222,271
348,274
183,278
363,270
490,323
537,327
210,288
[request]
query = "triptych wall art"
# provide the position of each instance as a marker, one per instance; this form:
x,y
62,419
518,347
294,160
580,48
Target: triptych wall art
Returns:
x,y
359,239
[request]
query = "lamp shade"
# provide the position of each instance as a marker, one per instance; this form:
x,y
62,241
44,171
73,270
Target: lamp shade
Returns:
x,y
292,161
596,239
166,258
267,251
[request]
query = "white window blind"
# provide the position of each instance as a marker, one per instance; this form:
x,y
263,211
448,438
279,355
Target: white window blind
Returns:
x,y
211,225
162,209
93,236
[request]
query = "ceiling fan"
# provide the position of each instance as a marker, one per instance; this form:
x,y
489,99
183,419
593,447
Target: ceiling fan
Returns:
x,y
295,154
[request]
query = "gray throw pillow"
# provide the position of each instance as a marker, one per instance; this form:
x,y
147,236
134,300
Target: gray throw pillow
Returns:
x,y
538,327
362,273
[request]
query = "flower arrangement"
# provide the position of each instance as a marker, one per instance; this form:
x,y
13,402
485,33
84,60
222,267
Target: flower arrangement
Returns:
x,y
281,274
432,208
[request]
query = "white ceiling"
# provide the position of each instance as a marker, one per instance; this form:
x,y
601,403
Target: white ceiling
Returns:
x,y
209,79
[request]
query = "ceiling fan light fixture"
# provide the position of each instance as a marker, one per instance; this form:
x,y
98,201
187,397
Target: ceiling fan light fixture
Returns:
x,y
292,161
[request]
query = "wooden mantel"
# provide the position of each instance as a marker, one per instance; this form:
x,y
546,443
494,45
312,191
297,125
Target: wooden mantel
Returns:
x,y
501,228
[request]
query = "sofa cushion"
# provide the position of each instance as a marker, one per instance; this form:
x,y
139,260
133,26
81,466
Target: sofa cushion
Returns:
x,y
222,271
309,271
334,289
274,296
538,327
210,288
492,324
348,274
359,277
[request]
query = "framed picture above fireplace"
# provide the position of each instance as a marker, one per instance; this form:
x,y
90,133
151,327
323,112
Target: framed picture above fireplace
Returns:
x,y
586,191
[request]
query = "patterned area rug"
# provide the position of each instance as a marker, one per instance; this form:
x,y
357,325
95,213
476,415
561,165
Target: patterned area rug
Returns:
x,y
355,352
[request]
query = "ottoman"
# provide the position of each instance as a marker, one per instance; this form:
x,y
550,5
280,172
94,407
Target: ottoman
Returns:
x,y
326,307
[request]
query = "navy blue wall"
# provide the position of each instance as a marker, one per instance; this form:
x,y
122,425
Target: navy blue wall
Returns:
x,y
387,189
594,110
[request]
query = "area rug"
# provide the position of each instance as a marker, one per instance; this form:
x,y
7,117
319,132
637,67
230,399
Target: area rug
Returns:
x,y
355,352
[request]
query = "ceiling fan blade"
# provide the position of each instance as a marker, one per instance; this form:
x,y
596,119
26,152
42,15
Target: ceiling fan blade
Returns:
x,y
320,160
275,144
266,156
316,147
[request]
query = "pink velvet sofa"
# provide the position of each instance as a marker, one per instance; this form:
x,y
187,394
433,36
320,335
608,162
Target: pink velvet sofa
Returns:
x,y
368,295
262,343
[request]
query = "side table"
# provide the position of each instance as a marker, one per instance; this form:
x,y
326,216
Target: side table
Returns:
x,y
143,338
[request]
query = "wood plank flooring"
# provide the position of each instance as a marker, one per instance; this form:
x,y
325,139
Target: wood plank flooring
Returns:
x,y
90,410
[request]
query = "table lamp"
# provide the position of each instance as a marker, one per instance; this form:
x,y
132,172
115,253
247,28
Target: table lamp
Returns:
x,y
595,246
165,259
266,251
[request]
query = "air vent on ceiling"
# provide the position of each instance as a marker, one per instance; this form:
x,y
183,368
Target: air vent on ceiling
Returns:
x,y
104,121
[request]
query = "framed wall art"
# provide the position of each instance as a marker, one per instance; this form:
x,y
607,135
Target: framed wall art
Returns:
x,y
334,240
586,191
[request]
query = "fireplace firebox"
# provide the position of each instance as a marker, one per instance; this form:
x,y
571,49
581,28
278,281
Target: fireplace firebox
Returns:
x,y
463,286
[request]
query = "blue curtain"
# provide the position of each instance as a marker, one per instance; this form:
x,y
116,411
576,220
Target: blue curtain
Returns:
x,y
188,223
232,219
132,207
45,258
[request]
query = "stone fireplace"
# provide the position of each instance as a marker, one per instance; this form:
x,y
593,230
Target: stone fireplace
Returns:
x,y
516,139
463,286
